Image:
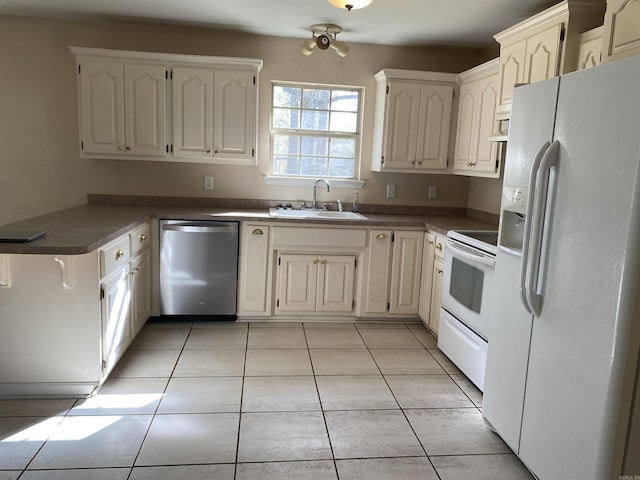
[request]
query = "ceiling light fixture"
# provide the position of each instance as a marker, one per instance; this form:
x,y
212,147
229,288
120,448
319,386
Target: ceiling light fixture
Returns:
x,y
323,36
350,4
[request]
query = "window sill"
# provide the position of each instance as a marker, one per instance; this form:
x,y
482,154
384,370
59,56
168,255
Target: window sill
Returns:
x,y
308,182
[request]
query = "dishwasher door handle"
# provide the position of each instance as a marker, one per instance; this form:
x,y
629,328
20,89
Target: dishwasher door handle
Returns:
x,y
191,228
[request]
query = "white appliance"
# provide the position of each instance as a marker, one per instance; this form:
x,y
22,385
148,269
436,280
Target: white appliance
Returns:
x,y
562,363
467,291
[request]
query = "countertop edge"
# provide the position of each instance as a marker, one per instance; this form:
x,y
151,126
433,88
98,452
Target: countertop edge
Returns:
x,y
84,229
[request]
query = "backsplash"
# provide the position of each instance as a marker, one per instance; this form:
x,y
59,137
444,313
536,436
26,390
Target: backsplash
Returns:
x,y
249,204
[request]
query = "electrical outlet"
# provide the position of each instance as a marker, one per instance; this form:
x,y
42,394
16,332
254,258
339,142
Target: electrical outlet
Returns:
x,y
433,191
208,183
391,191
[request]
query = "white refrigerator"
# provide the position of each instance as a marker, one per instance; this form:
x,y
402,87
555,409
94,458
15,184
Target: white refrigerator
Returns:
x,y
562,363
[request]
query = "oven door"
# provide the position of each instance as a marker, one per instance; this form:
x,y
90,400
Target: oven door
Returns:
x,y
467,285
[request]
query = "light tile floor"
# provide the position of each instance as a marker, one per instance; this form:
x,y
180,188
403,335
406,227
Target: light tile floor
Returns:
x,y
242,401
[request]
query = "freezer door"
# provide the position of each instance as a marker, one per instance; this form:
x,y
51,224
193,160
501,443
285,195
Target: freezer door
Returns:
x,y
532,123
581,340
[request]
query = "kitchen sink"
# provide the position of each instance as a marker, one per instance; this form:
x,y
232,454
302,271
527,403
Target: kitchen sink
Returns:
x,y
315,214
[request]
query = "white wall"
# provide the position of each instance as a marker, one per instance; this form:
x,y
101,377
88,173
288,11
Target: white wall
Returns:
x,y
40,168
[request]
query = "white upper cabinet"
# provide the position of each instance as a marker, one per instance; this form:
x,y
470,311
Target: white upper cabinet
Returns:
x,y
590,53
193,112
621,29
543,46
475,154
145,109
235,113
101,90
152,106
412,121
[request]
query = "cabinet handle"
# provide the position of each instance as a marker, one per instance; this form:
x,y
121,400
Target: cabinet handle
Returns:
x,y
119,253
216,152
208,150
257,231
381,236
439,272
420,162
119,147
430,242
439,246
128,147
143,237
413,162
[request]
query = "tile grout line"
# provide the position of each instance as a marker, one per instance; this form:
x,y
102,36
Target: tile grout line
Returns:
x,y
244,371
155,412
324,417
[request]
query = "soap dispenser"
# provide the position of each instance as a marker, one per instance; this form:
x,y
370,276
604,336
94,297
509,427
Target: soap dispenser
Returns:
x,y
354,204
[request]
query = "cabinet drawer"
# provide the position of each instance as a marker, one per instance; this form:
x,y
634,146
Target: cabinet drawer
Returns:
x,y
140,238
319,237
114,255
440,246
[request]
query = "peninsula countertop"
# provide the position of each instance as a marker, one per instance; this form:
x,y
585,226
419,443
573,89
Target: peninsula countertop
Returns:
x,y
80,230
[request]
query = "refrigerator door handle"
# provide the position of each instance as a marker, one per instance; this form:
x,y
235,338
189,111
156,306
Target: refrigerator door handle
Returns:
x,y
549,160
524,261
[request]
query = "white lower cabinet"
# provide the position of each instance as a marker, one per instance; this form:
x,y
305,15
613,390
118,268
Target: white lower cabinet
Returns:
x,y
67,319
431,281
115,296
315,283
394,268
254,287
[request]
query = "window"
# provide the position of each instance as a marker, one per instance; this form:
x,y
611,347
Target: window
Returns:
x,y
315,131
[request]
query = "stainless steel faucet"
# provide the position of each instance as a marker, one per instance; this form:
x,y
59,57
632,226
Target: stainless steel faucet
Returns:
x,y
315,184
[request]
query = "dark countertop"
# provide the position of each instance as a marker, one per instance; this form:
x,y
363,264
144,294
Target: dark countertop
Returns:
x,y
80,230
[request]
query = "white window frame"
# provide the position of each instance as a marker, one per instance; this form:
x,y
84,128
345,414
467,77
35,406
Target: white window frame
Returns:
x,y
295,180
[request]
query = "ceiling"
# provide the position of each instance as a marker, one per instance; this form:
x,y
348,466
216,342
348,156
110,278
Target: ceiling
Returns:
x,y
386,22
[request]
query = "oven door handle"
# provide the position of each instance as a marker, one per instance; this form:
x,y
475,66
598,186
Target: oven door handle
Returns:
x,y
455,250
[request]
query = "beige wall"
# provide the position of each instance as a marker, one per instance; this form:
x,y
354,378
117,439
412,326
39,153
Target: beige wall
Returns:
x,y
40,168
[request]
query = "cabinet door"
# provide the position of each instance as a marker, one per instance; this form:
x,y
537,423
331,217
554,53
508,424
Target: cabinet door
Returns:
x,y
193,112
234,116
590,51
542,60
401,132
436,295
115,305
512,59
297,283
433,126
140,291
145,109
404,296
254,267
621,29
379,263
426,277
335,283
466,133
486,152
102,108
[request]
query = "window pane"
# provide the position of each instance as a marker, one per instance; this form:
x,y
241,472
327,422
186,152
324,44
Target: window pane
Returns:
x,y
286,118
343,147
286,165
316,99
316,146
286,96
339,167
286,144
346,101
343,122
314,166
314,120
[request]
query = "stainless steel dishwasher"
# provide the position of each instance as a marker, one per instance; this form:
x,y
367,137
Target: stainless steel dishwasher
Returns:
x,y
198,267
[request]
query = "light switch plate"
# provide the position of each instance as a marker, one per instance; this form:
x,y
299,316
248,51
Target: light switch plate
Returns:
x,y
208,183
391,191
